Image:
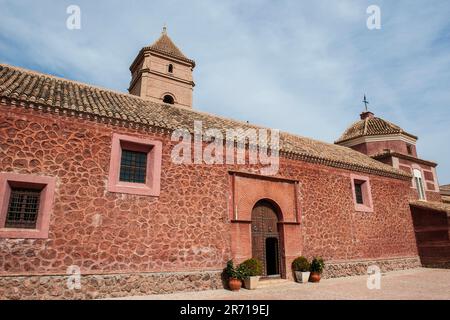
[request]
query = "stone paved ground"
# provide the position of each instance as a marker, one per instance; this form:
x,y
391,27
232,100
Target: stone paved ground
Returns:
x,y
399,285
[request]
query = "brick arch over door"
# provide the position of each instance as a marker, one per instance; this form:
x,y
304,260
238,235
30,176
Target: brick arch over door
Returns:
x,y
246,191
249,190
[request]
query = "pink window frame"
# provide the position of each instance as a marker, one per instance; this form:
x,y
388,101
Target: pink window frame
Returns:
x,y
153,148
367,206
47,187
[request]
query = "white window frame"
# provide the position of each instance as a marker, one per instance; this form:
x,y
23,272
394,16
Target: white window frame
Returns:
x,y
418,180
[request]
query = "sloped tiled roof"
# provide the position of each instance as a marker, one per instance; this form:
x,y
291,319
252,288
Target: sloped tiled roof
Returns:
x,y
445,189
371,126
165,45
433,205
31,89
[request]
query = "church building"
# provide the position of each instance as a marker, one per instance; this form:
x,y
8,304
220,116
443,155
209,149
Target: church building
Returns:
x,y
93,205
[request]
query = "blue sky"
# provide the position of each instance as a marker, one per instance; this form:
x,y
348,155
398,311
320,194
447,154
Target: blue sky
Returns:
x,y
299,66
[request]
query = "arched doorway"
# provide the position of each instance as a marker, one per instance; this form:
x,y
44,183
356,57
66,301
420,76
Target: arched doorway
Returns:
x,y
266,237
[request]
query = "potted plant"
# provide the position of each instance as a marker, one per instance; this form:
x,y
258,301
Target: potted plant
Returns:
x,y
316,268
234,275
252,269
301,268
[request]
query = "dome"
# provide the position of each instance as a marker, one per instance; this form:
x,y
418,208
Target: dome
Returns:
x,y
369,125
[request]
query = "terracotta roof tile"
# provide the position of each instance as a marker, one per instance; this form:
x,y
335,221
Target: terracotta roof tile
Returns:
x,y
166,46
371,127
445,191
433,205
29,87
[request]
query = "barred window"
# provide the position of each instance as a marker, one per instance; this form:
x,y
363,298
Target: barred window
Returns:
x,y
133,166
359,193
23,209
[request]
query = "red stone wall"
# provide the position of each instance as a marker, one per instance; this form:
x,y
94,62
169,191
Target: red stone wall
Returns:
x,y
333,229
184,229
376,147
188,227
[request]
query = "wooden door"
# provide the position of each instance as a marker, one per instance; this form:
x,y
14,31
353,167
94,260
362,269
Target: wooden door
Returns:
x,y
265,237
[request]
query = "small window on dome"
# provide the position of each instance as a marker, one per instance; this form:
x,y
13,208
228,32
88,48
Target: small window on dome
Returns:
x,y
170,68
168,99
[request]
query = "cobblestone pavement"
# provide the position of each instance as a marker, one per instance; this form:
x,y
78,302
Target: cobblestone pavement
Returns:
x,y
422,284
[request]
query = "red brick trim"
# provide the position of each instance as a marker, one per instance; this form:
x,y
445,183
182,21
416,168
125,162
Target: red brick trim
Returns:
x,y
47,187
154,154
367,193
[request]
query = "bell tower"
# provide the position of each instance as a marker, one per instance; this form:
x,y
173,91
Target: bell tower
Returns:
x,y
162,73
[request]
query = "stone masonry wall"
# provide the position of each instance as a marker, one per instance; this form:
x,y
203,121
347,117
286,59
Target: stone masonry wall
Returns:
x,y
186,229
106,286
351,268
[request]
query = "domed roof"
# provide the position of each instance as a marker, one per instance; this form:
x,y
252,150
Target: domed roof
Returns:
x,y
369,125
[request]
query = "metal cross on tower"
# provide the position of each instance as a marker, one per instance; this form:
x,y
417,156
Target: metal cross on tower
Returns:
x,y
366,102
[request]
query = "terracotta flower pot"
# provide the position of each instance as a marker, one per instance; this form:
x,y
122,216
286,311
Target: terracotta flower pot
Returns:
x,y
234,284
314,277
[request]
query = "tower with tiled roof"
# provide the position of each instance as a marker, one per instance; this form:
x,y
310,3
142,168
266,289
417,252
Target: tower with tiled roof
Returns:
x,y
390,144
162,73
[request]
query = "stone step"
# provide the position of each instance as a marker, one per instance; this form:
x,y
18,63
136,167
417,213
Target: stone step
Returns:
x,y
267,282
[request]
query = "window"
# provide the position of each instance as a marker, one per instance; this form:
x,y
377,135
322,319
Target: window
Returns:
x,y
409,149
418,180
168,99
26,203
359,192
23,208
362,194
170,68
135,166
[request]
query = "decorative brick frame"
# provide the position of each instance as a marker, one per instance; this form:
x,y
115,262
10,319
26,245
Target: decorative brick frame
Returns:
x,y
47,187
153,148
367,206
415,166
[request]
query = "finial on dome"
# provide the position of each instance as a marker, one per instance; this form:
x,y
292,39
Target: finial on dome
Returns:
x,y
366,102
366,114
164,31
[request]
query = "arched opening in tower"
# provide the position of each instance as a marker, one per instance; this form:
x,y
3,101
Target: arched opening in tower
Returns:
x,y
168,99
